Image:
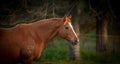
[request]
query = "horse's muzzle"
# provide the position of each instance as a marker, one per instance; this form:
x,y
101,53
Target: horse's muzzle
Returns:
x,y
74,42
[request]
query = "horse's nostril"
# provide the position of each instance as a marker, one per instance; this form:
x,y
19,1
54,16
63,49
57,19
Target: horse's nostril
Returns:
x,y
75,41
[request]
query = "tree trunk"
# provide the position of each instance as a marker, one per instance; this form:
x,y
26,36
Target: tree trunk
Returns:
x,y
101,30
75,50
116,36
115,28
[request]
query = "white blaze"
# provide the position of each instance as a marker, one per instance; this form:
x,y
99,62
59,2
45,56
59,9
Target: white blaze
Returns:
x,y
72,29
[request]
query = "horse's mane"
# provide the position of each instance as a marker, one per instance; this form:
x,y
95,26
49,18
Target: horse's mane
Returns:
x,y
51,21
48,20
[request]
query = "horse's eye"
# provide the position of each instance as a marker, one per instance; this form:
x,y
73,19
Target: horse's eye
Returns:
x,y
66,27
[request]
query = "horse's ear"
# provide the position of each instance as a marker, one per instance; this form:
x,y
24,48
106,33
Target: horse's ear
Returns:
x,y
65,19
70,16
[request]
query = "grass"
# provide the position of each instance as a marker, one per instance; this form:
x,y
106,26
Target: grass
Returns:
x,y
87,58
56,52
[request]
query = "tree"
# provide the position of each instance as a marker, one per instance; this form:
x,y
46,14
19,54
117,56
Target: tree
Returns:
x,y
100,8
75,50
115,10
101,31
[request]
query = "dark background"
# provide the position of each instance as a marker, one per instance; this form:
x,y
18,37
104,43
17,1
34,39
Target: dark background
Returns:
x,y
98,23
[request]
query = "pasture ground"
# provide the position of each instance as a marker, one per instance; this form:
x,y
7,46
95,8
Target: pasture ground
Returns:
x,y
56,52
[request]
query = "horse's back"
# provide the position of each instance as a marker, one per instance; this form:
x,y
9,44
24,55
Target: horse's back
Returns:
x,y
6,33
9,50
13,41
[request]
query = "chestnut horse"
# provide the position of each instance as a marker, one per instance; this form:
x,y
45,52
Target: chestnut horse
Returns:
x,y
25,42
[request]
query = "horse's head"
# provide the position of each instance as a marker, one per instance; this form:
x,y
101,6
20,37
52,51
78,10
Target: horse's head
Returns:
x,y
67,32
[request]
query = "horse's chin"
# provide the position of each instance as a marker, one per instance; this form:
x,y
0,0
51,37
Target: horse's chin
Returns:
x,y
73,42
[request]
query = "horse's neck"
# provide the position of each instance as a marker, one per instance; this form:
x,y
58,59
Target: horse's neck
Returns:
x,y
48,30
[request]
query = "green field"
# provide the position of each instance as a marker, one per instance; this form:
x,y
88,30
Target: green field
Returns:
x,y
56,52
